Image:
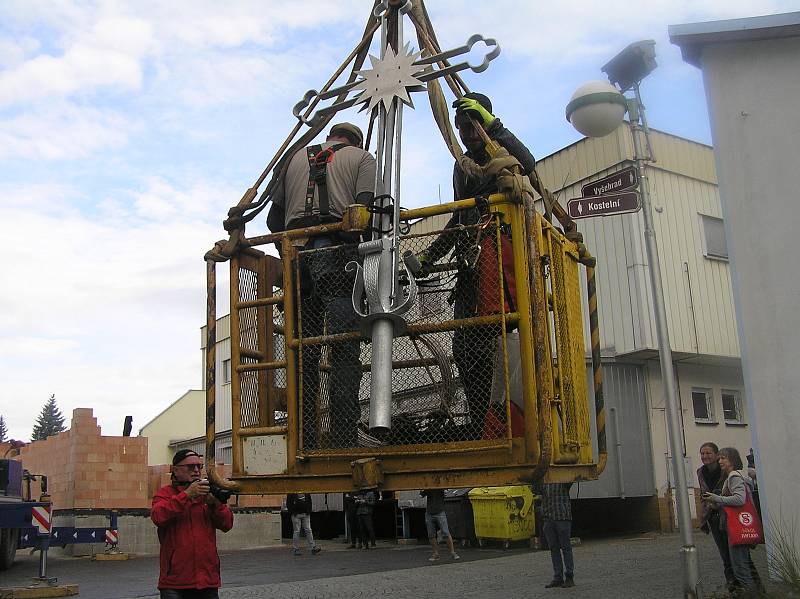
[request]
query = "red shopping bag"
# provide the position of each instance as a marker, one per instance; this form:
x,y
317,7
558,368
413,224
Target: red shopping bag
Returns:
x,y
743,524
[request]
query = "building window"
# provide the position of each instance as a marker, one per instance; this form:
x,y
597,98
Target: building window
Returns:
x,y
702,402
732,407
715,245
226,372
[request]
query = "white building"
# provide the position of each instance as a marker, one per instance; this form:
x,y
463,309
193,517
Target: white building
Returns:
x,y
185,417
751,74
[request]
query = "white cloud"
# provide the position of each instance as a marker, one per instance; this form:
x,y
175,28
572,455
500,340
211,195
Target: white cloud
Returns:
x,y
108,56
43,347
105,311
63,131
14,51
557,33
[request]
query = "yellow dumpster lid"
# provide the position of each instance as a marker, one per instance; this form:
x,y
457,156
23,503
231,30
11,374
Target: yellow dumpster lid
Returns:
x,y
509,492
494,492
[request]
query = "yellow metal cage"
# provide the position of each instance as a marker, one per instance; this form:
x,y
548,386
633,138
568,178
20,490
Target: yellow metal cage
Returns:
x,y
490,398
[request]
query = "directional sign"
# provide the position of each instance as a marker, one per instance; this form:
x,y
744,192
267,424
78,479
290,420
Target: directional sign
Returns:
x,y
619,181
605,205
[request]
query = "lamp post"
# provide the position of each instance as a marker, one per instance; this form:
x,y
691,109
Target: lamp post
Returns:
x,y
596,109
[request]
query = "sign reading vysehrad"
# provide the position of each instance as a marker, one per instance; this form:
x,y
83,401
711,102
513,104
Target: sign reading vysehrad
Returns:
x,y
622,180
604,205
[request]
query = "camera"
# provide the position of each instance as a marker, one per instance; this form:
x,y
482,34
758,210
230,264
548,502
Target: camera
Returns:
x,y
221,494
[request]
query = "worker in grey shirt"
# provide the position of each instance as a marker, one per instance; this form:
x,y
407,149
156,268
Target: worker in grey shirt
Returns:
x,y
319,183
349,178
435,517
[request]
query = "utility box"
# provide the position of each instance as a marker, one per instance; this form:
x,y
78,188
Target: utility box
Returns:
x,y
10,478
502,513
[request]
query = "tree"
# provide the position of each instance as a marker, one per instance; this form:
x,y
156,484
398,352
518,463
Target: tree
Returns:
x,y
3,429
50,421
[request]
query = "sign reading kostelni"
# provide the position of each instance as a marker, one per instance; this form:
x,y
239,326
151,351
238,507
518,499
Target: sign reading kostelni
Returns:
x,y
604,205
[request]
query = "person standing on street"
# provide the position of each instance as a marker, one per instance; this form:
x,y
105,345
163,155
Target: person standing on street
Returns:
x,y
735,489
299,507
436,518
556,511
351,519
711,479
365,504
187,516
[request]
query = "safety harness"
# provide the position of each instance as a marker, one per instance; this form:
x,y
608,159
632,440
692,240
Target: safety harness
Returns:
x,y
318,160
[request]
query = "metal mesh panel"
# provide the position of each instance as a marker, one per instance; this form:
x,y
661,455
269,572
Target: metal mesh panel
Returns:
x,y
260,389
569,345
562,339
443,381
248,341
278,381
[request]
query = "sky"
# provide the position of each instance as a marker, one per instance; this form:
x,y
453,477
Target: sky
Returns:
x,y
127,130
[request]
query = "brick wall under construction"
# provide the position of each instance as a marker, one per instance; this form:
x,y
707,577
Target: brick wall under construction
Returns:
x,y
88,470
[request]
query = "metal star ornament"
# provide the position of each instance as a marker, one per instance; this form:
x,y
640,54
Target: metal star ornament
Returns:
x,y
392,76
395,76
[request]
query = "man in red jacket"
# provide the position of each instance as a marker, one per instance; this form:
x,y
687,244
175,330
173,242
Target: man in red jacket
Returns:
x,y
187,516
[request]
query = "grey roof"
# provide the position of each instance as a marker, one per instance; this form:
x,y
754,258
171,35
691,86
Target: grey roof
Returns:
x,y
692,37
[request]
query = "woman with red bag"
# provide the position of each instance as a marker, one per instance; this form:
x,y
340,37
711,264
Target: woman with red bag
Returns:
x,y
710,478
736,492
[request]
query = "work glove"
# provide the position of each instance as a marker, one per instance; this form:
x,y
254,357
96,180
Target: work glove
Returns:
x,y
425,263
482,204
464,104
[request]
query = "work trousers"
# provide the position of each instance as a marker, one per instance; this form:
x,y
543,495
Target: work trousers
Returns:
x,y
352,523
366,530
557,533
327,308
474,351
302,521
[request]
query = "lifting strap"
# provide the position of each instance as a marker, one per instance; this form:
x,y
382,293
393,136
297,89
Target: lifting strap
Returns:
x,y
318,160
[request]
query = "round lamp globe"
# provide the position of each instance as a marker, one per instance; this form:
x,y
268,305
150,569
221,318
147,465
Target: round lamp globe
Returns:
x,y
596,108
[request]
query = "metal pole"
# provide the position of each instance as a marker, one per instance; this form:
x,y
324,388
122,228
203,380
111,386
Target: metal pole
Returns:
x,y
43,561
380,408
688,551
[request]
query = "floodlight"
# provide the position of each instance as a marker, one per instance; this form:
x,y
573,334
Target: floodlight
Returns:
x,y
631,65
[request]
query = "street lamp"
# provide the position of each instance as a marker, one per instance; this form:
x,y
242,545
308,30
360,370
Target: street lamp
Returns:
x,y
596,109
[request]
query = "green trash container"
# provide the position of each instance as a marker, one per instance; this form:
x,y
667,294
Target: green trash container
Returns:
x,y
502,513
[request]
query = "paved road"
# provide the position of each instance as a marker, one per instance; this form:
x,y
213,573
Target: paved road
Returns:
x,y
646,566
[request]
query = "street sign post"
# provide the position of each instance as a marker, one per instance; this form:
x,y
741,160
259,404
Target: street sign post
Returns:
x,y
604,205
627,178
